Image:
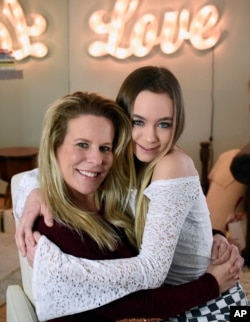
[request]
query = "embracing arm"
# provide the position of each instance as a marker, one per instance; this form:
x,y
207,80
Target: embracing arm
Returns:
x,y
160,303
168,302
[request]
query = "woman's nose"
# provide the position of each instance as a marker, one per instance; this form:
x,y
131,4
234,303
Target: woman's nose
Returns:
x,y
95,157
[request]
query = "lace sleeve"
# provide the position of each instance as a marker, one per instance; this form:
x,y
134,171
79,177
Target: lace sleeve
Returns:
x,y
69,285
28,182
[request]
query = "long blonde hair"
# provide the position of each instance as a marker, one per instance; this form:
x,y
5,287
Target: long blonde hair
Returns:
x,y
157,80
114,196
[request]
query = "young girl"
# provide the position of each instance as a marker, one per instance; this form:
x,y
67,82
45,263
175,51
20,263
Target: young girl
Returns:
x,y
172,223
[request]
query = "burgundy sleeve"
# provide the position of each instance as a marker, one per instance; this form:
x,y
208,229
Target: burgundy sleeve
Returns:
x,y
162,302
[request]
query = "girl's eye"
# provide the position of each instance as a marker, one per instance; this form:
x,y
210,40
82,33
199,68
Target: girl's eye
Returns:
x,y
165,124
105,148
83,145
137,122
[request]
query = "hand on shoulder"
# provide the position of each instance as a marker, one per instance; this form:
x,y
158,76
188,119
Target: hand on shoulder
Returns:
x,y
176,164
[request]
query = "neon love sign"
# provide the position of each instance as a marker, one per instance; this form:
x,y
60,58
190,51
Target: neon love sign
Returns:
x,y
15,15
176,28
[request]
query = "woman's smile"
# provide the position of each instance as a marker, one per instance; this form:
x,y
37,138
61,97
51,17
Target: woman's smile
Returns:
x,y
88,174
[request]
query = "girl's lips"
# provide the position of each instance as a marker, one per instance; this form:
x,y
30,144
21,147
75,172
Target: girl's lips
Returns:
x,y
148,150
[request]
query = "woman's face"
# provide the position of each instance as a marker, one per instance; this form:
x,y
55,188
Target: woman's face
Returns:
x,y
86,156
152,124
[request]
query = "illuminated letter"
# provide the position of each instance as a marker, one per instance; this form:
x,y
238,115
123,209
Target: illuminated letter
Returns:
x,y
144,35
123,10
6,41
14,12
202,24
172,35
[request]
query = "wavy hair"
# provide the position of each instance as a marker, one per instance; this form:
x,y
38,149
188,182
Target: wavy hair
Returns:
x,y
157,80
114,196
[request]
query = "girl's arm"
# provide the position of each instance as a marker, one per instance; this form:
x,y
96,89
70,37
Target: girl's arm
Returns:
x,y
168,302
160,303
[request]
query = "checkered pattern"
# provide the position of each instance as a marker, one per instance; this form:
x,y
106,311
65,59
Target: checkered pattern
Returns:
x,y
214,310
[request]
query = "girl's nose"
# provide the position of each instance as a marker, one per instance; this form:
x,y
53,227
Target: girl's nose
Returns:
x,y
151,134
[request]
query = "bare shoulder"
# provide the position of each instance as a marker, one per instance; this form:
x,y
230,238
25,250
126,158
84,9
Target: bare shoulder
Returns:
x,y
175,164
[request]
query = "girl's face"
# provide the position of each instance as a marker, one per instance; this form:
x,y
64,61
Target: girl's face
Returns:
x,y
86,156
152,120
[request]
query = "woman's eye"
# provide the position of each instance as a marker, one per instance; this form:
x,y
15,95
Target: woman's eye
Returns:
x,y
105,148
82,145
137,122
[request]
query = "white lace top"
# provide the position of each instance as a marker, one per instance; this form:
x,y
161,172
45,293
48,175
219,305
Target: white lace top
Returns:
x,y
177,231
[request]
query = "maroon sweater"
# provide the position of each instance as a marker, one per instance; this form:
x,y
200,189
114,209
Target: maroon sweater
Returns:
x,y
156,303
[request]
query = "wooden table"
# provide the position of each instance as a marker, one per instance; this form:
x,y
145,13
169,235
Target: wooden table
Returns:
x,y
14,160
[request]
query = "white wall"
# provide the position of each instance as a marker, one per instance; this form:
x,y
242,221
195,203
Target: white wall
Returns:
x,y
23,102
69,67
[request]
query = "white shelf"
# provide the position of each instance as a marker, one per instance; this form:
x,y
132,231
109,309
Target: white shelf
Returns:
x,y
10,74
